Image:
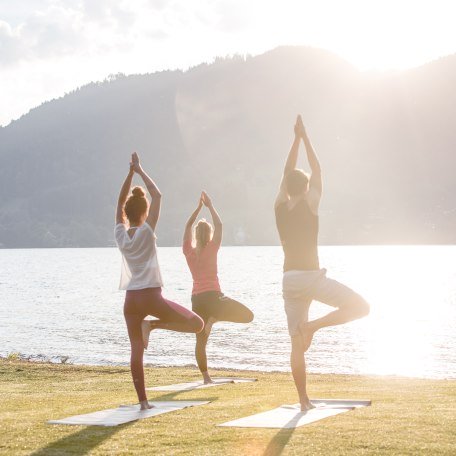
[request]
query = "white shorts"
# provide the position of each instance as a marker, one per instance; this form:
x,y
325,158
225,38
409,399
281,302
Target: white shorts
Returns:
x,y
300,288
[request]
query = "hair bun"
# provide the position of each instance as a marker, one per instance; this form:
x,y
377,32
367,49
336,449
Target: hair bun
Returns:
x,y
138,192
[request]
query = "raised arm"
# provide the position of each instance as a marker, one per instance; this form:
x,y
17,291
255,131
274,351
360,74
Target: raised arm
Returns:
x,y
315,177
292,158
191,220
124,191
154,210
218,226
315,182
290,164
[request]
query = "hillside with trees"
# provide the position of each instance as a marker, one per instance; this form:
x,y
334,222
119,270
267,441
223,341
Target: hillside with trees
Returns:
x,y
386,143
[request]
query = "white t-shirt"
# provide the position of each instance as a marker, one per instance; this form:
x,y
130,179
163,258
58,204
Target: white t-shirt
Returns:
x,y
140,267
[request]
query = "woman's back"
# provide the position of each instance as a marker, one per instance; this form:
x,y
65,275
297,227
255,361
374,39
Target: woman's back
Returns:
x,y
140,267
203,266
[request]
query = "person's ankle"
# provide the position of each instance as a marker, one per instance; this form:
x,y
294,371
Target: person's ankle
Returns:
x,y
206,377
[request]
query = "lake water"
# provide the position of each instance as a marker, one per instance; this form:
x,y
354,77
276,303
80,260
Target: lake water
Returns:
x,y
65,302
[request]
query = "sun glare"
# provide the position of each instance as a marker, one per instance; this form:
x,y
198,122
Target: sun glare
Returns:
x,y
403,316
373,35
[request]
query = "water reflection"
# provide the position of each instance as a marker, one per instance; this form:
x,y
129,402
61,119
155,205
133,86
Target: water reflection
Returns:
x,y
65,302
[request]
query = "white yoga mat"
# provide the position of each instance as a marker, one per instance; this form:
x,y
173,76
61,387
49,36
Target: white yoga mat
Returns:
x,y
126,413
200,384
290,416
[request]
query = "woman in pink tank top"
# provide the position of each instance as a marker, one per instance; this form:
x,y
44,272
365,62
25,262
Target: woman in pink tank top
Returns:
x,y
200,248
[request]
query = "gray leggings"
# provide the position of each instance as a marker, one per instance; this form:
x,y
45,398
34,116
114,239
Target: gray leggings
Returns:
x,y
221,308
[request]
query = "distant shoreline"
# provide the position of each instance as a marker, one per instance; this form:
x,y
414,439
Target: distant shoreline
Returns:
x,y
57,360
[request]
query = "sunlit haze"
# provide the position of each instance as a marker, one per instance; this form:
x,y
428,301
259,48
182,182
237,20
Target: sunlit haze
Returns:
x,y
50,47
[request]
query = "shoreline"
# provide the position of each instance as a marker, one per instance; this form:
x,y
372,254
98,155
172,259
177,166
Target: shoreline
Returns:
x,y
39,360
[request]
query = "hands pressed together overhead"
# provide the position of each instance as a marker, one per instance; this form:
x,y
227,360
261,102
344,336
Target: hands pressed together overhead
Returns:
x,y
299,129
135,165
205,199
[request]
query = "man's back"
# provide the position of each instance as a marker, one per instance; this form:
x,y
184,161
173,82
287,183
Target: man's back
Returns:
x,y
298,230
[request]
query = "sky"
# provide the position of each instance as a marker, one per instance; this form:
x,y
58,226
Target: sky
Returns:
x,y
51,47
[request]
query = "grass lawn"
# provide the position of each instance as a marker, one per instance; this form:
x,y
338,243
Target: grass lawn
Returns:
x,y
407,416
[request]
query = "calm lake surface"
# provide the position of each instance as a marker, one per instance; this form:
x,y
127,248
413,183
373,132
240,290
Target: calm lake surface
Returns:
x,y
65,302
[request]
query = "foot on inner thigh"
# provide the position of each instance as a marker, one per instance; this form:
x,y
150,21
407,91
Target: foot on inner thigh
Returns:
x,y
146,327
307,331
208,325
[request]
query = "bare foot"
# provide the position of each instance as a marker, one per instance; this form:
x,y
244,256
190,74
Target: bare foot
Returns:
x,y
307,333
146,327
145,330
207,379
145,405
208,325
306,405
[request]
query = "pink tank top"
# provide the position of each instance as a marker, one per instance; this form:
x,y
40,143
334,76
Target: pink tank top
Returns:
x,y
203,266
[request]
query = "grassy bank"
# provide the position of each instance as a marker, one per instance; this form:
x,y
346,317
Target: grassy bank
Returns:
x,y
408,416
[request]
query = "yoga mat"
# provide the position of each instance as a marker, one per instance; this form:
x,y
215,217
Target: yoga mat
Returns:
x,y
290,416
200,384
126,413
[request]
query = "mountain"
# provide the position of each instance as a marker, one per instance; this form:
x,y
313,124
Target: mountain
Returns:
x,y
385,140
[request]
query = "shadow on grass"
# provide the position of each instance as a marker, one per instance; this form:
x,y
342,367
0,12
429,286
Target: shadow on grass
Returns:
x,y
86,439
81,442
280,440
172,396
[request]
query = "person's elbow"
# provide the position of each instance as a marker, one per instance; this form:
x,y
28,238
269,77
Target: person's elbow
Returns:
x,y
316,168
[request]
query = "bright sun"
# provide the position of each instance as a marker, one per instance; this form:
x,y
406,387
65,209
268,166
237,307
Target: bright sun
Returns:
x,y
371,34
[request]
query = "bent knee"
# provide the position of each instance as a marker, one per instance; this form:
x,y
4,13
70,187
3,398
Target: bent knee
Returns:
x,y
249,317
362,308
196,324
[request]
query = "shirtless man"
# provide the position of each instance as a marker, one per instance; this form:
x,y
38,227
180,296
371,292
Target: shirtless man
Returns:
x,y
296,211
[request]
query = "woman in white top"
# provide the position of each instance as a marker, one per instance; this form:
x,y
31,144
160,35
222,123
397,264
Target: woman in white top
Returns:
x,y
140,277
